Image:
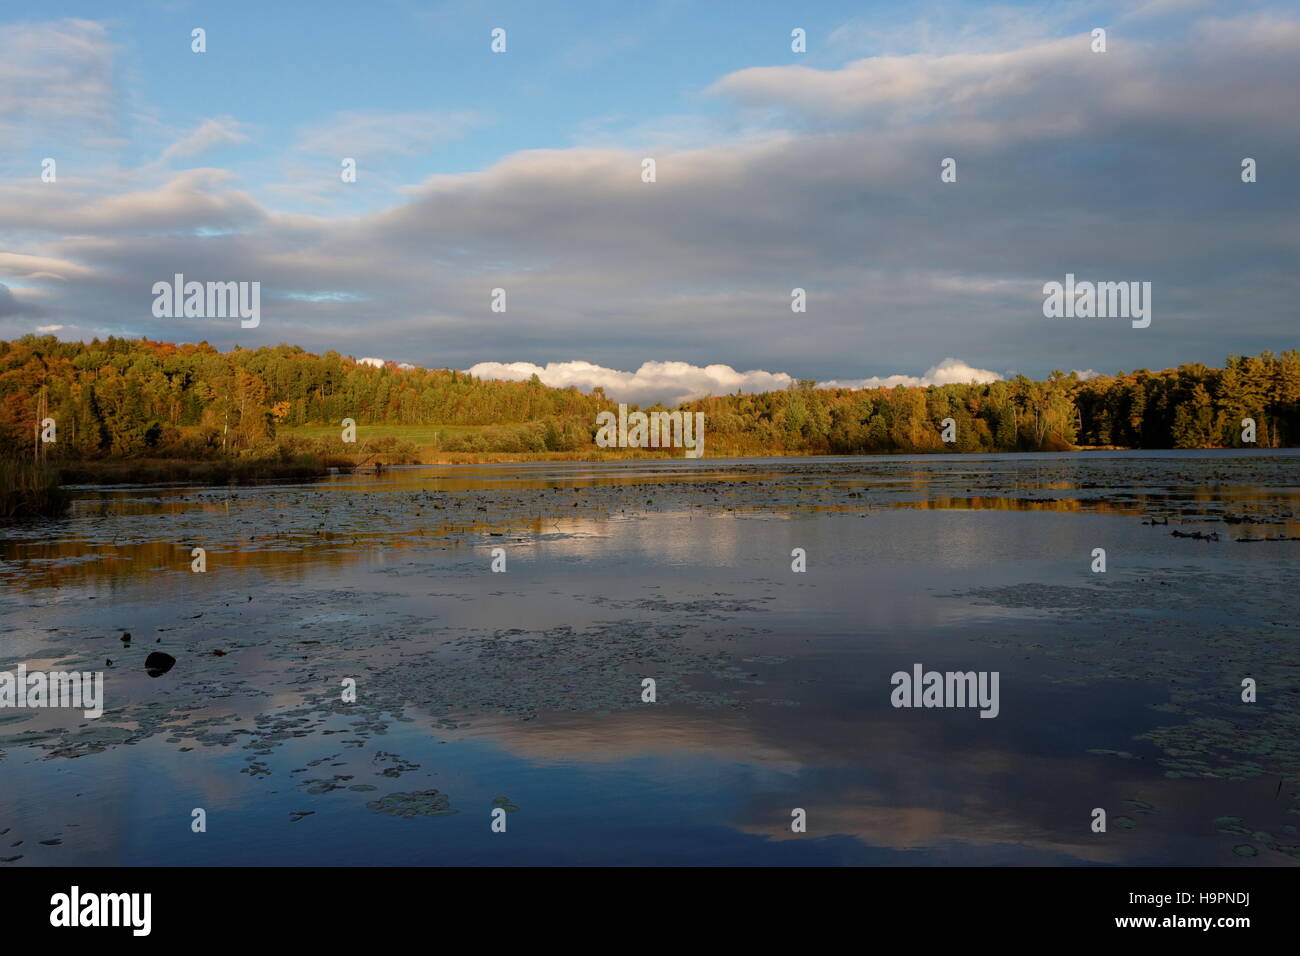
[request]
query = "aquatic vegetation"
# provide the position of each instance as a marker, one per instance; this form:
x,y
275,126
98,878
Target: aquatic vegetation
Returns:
x,y
385,579
419,803
28,490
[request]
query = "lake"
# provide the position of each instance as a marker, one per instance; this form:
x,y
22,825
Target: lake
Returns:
x,y
516,700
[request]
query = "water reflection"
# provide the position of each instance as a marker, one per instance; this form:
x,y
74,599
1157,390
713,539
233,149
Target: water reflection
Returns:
x,y
1119,690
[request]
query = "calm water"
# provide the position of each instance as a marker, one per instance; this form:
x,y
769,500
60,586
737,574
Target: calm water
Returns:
x,y
523,690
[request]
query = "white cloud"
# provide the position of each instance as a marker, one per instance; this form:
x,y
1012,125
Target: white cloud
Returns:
x,y
920,85
56,71
223,130
676,382
669,382
190,200
21,266
950,371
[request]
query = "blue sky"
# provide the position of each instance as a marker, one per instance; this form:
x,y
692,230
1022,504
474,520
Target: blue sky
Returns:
x,y
571,70
520,170
573,74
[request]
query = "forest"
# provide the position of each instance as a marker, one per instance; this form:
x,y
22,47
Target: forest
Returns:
x,y
122,399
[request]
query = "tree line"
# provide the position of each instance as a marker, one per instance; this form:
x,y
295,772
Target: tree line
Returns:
x,y
124,398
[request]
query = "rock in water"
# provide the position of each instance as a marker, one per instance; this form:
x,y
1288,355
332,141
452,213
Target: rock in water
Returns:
x,y
158,663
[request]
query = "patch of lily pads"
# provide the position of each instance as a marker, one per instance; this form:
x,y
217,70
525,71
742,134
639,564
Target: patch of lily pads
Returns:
x,y
417,803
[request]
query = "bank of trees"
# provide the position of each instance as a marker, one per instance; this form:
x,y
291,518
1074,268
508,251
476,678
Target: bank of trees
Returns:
x,y
1002,416
132,398
1193,406
124,398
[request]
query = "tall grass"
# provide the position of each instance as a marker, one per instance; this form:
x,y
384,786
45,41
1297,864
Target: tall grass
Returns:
x,y
294,461
28,489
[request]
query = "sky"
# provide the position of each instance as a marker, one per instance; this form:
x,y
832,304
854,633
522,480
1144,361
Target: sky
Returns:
x,y
522,170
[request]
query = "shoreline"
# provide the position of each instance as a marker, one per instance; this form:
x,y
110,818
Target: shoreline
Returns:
x,y
249,471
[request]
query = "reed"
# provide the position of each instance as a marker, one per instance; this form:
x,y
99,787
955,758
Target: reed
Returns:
x,y
30,489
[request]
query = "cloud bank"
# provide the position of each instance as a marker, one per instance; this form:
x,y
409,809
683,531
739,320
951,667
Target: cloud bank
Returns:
x,y
672,383
668,382
950,371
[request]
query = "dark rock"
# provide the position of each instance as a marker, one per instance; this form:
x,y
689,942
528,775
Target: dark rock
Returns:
x,y
158,663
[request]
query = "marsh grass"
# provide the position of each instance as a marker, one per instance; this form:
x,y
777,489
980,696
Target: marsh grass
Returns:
x,y
28,489
217,471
